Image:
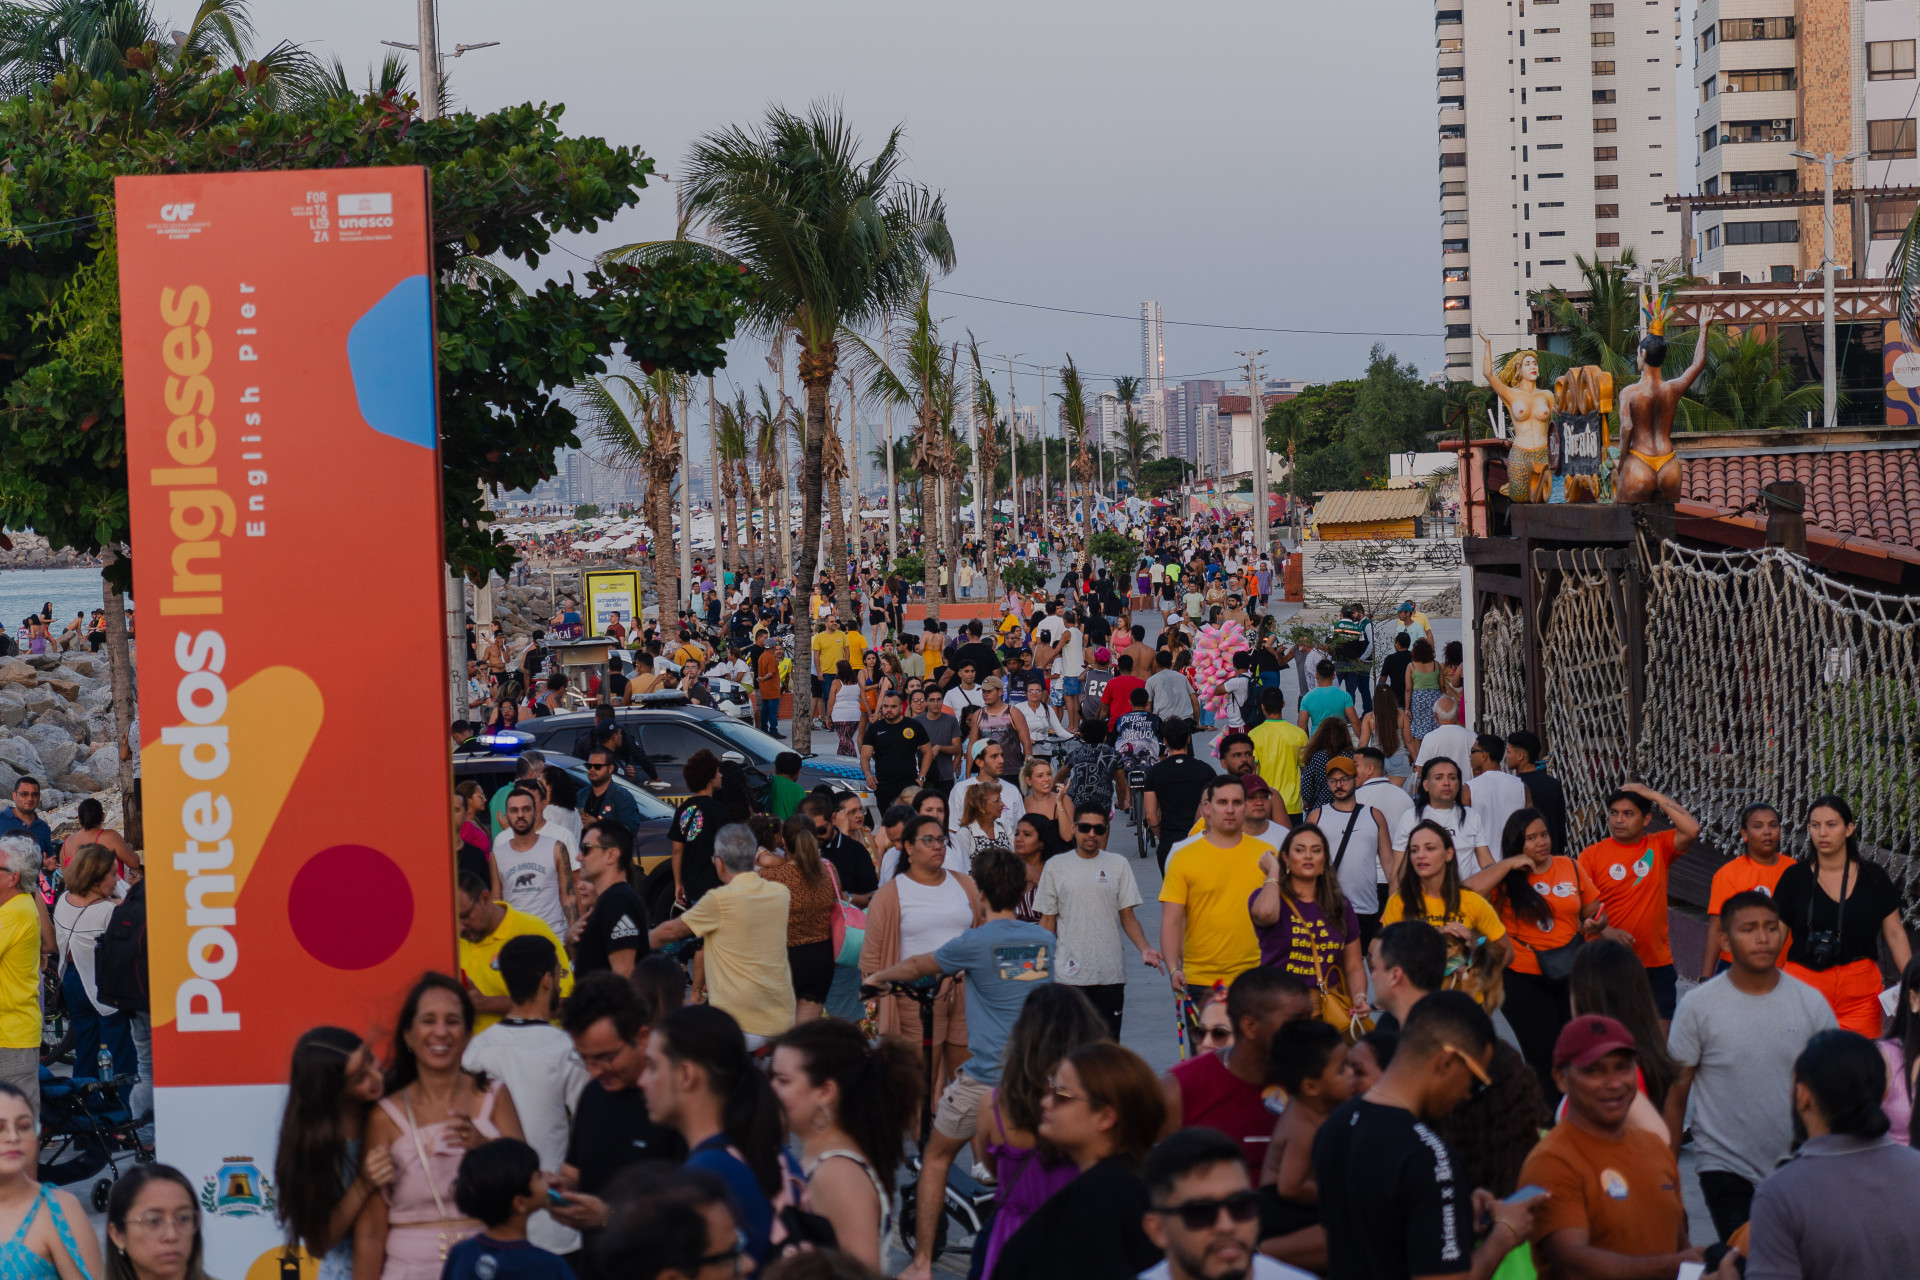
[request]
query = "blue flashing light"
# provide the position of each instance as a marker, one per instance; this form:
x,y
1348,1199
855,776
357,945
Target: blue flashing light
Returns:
x,y
508,742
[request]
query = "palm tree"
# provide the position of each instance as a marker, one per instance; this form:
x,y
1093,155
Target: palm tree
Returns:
x,y
915,371
770,441
1073,421
105,39
1744,387
1137,436
987,408
629,420
730,442
834,243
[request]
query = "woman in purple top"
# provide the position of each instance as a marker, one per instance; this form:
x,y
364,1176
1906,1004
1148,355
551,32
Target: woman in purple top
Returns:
x,y
1055,1021
1305,924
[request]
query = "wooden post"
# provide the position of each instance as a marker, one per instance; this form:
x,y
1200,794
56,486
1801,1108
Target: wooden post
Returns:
x,y
1786,515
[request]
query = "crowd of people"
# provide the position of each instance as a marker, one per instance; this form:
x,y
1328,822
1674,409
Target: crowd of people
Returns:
x,y
1424,1029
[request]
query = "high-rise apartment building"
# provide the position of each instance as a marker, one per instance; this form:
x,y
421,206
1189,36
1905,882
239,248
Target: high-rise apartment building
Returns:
x,y
1153,362
1188,399
1558,140
1026,420
1778,76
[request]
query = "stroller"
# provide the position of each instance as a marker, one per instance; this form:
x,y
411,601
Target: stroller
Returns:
x,y
86,1125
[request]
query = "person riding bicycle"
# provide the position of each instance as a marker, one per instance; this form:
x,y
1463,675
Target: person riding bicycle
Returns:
x,y
1136,735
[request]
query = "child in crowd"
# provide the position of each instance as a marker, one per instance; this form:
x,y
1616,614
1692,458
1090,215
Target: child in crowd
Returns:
x,y
501,1185
1309,1061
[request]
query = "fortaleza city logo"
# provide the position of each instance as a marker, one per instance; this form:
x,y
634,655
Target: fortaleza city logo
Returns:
x,y
238,1190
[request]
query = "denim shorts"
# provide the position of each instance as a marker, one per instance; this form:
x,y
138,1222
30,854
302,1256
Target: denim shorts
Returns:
x,y
1072,685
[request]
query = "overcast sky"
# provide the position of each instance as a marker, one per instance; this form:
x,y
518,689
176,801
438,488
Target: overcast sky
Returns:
x,y
1245,162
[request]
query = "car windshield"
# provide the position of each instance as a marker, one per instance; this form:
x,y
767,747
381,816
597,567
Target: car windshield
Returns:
x,y
649,806
762,747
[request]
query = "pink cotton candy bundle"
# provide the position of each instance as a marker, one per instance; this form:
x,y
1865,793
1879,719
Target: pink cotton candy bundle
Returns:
x,y
1213,660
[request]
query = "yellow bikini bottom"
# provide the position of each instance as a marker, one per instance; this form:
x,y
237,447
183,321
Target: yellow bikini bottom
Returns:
x,y
1656,462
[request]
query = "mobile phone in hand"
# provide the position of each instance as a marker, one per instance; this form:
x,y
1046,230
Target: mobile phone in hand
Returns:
x,y
557,1198
1525,1194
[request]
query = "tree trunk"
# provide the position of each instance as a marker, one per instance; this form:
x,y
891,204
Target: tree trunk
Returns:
x,y
956,527
120,669
666,565
837,547
816,375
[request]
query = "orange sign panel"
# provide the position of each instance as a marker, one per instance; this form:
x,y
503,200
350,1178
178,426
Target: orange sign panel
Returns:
x,y
284,481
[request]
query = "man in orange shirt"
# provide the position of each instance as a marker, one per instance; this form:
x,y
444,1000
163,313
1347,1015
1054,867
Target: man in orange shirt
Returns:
x,y
1613,1204
1630,867
1759,867
769,684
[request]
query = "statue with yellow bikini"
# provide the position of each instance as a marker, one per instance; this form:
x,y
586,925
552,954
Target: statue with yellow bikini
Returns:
x,y
1649,469
1529,477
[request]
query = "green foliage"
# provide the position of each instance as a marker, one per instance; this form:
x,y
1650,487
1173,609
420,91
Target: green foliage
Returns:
x,y
1163,475
1023,576
911,568
502,184
1342,432
585,511
1744,387
1116,551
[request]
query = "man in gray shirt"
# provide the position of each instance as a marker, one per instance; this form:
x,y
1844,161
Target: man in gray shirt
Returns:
x,y
1088,901
1735,1039
1171,694
1848,1204
943,730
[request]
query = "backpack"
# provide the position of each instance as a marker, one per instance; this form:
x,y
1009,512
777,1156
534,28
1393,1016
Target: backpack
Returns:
x,y
1251,713
120,960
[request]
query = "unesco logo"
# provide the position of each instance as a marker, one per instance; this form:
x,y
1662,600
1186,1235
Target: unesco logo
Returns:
x,y
176,212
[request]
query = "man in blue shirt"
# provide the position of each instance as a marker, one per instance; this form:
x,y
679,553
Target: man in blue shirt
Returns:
x,y
1005,960
698,1078
20,816
603,800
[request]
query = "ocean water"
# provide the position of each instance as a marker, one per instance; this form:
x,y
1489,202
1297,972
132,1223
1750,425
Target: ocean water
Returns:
x,y
23,591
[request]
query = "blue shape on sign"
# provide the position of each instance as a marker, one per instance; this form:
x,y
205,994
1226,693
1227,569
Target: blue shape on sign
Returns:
x,y
390,350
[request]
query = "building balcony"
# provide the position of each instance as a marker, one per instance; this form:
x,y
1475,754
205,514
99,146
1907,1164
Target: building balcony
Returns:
x,y
1451,60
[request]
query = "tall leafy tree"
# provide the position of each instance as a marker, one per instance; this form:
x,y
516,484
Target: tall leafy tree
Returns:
x,y
834,242
1745,387
1073,424
986,410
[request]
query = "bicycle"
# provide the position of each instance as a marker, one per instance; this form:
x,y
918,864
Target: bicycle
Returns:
x,y
968,1201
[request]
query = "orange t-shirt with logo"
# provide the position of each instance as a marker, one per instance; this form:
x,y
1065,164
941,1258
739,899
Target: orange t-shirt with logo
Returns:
x,y
1624,1192
1566,887
1740,875
1633,885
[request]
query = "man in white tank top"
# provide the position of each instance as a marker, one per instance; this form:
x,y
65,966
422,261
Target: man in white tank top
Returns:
x,y
536,873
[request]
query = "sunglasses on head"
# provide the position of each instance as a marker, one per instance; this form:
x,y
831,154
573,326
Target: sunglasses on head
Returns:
x,y
1092,828
1199,1215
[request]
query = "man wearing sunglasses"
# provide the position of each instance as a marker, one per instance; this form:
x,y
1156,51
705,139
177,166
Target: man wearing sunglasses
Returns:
x,y
1205,1213
1390,1192
1088,901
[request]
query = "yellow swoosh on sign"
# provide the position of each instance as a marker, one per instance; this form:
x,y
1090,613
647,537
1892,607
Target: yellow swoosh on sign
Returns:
x,y
272,720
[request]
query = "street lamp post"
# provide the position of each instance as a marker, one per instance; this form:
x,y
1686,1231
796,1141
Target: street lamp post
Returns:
x,y
1261,535
1826,162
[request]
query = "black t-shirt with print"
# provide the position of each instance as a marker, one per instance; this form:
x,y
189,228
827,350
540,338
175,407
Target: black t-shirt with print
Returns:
x,y
618,923
896,755
1391,1198
1871,898
697,822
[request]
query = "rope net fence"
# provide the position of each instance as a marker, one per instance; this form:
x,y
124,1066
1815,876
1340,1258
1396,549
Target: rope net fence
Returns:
x,y
1768,681
1765,680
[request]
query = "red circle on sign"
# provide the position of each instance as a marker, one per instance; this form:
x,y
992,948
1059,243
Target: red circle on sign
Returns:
x,y
350,906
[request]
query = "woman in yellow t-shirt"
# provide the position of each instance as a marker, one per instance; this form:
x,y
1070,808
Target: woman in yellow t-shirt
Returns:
x,y
1430,890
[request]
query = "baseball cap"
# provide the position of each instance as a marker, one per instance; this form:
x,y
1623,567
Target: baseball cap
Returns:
x,y
1255,785
1342,764
1406,606
1590,1037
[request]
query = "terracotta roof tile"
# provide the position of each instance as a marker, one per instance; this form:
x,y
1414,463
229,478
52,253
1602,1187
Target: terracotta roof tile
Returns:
x,y
1869,493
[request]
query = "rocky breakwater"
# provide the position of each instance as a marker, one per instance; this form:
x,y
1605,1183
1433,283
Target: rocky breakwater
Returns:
x,y
30,551
56,725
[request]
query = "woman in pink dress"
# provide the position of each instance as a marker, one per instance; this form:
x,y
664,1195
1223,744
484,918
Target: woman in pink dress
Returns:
x,y
433,1114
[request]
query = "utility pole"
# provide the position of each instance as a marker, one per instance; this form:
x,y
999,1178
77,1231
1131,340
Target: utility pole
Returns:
x,y
1827,162
713,486
1261,535
429,61
893,488
973,414
1013,446
1042,424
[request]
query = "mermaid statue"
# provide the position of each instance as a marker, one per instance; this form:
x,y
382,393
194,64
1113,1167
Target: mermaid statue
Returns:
x,y
1529,473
